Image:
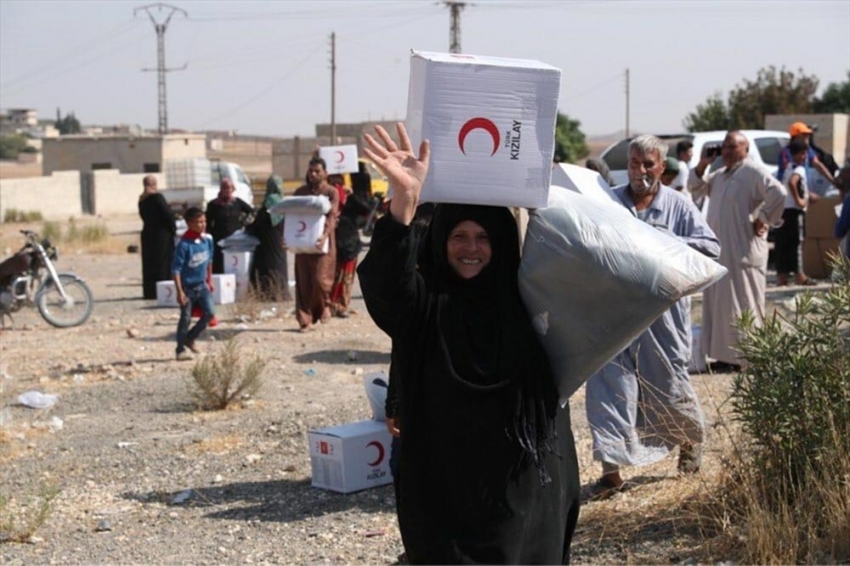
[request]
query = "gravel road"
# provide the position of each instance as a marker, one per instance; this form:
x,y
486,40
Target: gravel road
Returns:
x,y
124,441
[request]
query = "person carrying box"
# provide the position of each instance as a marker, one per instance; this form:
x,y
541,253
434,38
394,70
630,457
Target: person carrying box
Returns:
x,y
192,271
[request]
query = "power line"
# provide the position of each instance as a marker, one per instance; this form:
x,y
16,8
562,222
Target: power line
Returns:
x,y
455,7
161,69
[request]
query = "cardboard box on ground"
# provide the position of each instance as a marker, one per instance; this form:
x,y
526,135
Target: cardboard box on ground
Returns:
x,y
224,291
491,124
351,457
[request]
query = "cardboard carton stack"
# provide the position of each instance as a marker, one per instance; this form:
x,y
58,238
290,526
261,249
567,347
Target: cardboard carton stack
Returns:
x,y
820,237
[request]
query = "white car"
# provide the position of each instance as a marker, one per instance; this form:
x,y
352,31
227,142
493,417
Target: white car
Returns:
x,y
765,146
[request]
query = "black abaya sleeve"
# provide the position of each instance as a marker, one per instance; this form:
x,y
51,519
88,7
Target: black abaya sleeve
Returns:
x,y
167,216
393,289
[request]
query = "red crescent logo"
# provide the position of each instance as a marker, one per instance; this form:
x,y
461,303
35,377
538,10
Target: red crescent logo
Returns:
x,y
301,226
380,448
479,123
341,157
168,292
235,260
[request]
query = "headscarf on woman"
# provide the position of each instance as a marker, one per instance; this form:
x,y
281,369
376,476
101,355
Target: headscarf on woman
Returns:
x,y
487,330
274,194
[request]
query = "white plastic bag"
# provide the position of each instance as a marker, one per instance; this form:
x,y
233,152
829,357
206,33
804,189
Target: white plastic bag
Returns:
x,y
37,399
377,385
593,277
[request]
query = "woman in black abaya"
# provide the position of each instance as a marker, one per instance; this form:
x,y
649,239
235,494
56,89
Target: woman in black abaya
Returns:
x,y
489,471
158,230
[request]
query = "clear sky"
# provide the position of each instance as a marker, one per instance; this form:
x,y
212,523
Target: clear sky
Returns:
x,y
263,67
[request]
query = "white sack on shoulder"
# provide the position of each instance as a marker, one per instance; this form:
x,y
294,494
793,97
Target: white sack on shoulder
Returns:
x,y
302,205
239,241
593,277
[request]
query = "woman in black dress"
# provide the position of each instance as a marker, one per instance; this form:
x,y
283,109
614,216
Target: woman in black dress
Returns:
x,y
158,230
488,470
269,271
225,215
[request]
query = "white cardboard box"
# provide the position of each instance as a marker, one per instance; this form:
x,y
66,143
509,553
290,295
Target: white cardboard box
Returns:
x,y
166,294
238,263
301,231
224,288
491,123
351,457
223,294
339,158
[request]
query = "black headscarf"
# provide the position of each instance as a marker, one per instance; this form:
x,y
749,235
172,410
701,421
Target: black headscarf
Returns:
x,y
486,328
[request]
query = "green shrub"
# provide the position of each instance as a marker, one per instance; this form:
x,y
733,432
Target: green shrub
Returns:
x,y
794,391
218,380
786,494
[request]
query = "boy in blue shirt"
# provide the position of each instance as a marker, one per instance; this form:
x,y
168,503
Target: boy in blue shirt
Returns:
x,y
192,271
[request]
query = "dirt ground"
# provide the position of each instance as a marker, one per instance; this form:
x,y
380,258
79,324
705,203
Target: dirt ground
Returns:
x,y
124,440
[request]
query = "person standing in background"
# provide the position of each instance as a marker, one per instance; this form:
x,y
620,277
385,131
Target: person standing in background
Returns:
x,y
269,270
789,237
746,200
314,273
158,232
225,215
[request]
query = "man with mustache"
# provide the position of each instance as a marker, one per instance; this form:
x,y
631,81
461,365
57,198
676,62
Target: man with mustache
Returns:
x,y
641,405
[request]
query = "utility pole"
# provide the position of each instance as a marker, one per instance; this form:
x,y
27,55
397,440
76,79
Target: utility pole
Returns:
x,y
627,103
456,8
160,59
333,88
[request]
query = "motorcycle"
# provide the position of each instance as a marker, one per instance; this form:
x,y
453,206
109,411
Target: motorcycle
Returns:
x,y
29,278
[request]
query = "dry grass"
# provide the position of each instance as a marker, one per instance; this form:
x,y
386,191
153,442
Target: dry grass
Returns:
x,y
75,235
216,446
20,520
256,306
219,379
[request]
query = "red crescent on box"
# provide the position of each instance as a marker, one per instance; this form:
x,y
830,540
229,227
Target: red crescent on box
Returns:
x,y
478,124
380,448
168,292
301,226
341,157
235,261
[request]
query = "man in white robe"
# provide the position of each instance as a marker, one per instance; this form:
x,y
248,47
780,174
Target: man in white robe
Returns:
x,y
745,200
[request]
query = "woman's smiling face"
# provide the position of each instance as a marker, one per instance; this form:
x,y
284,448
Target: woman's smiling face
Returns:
x,y
468,249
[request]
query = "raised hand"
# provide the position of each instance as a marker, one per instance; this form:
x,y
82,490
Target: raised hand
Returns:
x,y
406,171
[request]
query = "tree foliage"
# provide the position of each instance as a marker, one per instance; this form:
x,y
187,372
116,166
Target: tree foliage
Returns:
x,y
12,145
836,98
570,143
713,115
773,91
67,125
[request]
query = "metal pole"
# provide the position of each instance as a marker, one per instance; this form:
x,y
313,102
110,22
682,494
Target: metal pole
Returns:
x,y
454,31
333,89
161,69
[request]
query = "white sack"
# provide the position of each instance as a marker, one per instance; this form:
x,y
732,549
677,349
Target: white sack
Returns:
x,y
593,277
302,205
239,241
377,386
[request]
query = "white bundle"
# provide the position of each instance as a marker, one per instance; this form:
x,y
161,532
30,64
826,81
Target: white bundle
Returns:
x,y
302,205
593,277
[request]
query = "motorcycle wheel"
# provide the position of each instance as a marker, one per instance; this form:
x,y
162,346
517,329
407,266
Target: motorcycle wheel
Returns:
x,y
60,313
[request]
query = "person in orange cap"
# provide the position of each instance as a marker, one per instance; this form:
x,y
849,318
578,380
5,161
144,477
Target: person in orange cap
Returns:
x,y
802,132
